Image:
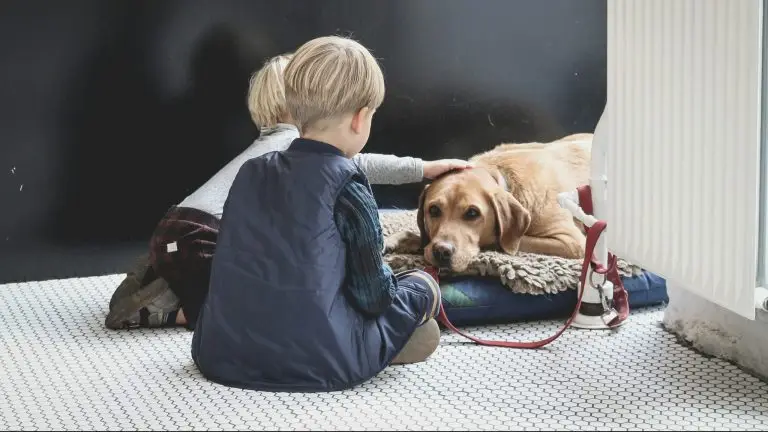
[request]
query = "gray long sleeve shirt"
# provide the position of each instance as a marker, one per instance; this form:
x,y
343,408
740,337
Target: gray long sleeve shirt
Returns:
x,y
379,168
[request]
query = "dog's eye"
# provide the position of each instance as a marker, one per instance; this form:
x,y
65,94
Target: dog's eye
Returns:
x,y
434,211
471,214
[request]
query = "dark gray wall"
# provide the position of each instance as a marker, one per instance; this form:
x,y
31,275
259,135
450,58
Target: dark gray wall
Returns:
x,y
111,111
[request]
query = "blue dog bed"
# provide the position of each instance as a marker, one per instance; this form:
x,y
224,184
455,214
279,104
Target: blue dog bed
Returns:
x,y
476,301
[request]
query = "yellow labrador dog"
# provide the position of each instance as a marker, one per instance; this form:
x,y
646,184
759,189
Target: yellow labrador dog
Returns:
x,y
508,200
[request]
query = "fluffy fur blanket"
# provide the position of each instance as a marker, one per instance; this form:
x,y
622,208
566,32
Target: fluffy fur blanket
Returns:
x,y
522,273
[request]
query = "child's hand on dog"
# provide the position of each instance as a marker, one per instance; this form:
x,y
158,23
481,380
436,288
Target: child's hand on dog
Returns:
x,y
434,169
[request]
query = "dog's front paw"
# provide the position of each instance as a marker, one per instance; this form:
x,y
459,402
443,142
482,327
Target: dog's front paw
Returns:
x,y
402,242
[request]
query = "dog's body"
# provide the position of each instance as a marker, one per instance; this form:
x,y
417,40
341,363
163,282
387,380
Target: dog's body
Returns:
x,y
509,200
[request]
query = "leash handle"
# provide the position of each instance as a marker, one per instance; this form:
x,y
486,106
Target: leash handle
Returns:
x,y
611,273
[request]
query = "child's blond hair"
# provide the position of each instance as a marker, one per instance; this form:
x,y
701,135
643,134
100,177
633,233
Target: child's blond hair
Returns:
x,y
329,77
266,93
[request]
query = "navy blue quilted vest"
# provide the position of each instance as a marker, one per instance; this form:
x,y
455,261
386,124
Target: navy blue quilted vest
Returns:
x,y
276,318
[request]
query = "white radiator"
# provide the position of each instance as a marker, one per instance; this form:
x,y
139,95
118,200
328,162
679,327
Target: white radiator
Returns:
x,y
683,148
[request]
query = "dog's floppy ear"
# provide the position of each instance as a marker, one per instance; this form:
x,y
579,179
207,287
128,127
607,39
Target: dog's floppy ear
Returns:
x,y
420,218
496,174
512,221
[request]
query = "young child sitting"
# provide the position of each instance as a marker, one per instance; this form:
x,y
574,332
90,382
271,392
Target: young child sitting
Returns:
x,y
167,287
300,298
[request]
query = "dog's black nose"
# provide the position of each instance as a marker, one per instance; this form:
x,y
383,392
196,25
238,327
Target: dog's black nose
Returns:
x,y
443,252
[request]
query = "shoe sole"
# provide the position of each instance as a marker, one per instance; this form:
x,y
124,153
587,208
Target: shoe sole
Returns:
x,y
422,344
127,307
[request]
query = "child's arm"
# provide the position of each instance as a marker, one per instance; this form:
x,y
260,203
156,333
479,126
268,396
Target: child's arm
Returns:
x,y
390,169
370,283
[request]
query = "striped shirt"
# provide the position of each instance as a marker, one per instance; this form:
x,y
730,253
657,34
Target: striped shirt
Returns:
x,y
370,284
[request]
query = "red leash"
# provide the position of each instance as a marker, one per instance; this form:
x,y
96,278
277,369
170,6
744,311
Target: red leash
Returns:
x,y
611,273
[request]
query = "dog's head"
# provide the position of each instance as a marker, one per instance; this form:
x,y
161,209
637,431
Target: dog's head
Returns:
x,y
465,211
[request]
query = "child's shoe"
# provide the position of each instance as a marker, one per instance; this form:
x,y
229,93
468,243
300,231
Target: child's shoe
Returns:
x,y
153,305
422,344
132,282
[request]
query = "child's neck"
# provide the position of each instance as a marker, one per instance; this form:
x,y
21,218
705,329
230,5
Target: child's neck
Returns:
x,y
332,136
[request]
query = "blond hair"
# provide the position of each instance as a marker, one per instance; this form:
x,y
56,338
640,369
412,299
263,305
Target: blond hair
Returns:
x,y
266,93
329,77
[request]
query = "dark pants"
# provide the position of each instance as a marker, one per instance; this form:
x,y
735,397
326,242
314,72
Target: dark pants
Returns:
x,y
181,251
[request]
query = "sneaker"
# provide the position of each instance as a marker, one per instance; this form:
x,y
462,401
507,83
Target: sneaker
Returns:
x,y
132,282
422,344
153,305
